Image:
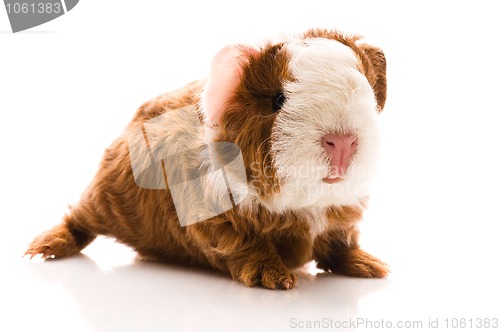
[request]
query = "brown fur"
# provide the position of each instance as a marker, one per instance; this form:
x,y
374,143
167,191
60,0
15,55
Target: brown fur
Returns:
x,y
254,245
372,60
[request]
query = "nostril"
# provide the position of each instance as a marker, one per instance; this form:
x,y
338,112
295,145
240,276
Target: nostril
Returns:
x,y
340,150
339,143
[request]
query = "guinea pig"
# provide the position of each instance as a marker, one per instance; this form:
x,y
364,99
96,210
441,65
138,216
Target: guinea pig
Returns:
x,y
256,171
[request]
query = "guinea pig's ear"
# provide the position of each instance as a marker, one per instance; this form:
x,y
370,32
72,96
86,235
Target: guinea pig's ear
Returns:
x,y
376,72
224,79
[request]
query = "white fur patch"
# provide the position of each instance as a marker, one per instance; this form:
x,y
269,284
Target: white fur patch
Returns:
x,y
316,218
328,95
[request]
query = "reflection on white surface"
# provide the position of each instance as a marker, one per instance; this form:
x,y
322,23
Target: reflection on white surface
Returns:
x,y
149,296
109,289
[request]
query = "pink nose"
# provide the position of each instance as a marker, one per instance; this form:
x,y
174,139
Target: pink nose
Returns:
x,y
340,149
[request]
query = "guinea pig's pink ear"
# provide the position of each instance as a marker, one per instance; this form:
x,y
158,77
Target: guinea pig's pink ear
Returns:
x,y
224,78
376,72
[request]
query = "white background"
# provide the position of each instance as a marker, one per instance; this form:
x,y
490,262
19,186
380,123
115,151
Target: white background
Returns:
x,y
68,88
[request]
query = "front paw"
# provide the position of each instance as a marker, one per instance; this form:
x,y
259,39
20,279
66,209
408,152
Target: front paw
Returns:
x,y
268,273
355,263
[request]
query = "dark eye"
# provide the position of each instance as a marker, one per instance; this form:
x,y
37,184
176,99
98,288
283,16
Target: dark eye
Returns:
x,y
278,101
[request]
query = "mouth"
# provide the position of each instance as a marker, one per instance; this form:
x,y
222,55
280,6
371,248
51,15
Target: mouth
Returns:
x,y
333,179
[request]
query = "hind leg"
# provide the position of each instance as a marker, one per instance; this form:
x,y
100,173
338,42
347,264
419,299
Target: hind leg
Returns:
x,y
63,240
